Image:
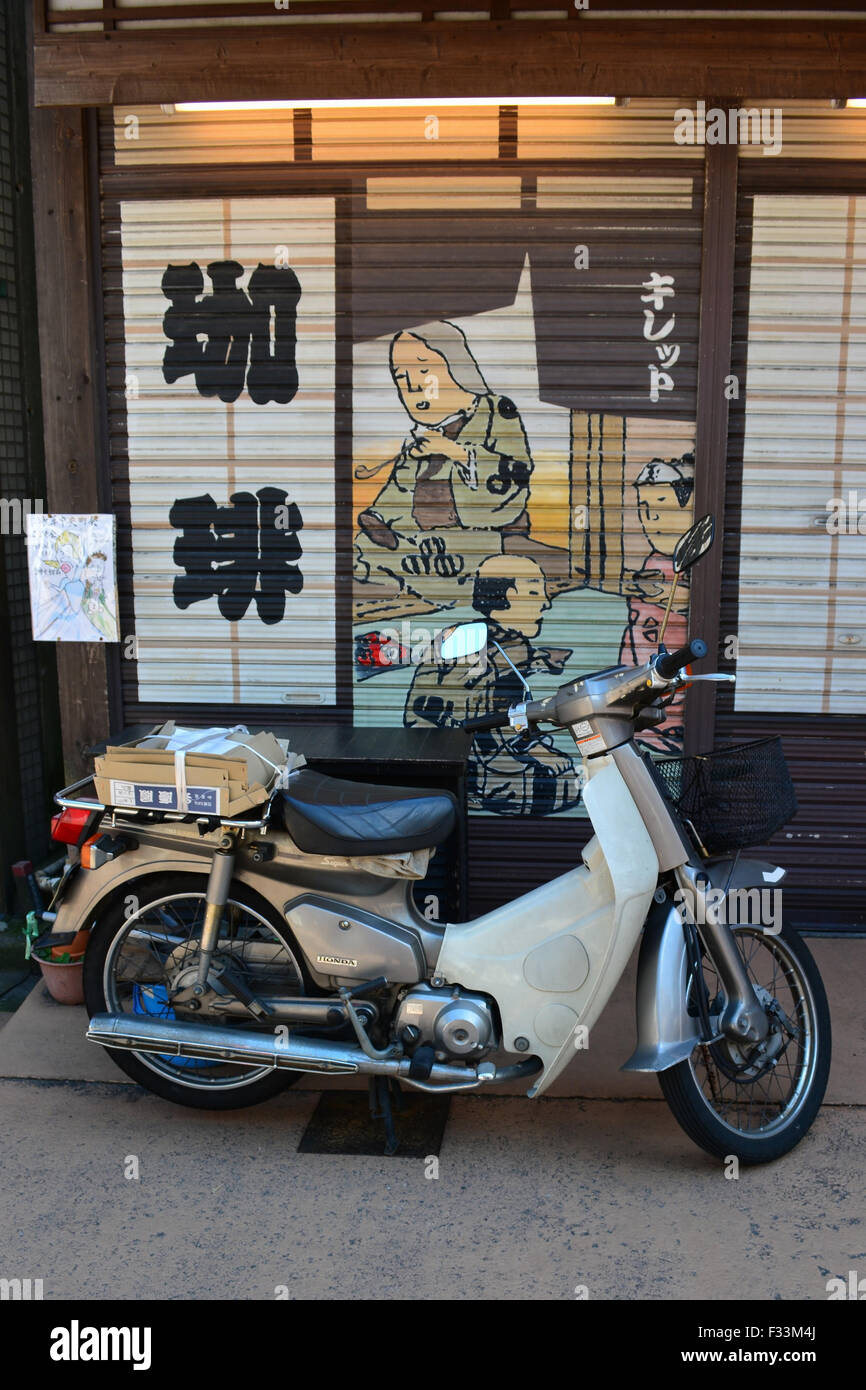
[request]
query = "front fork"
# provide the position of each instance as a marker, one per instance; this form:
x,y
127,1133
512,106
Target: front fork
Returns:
x,y
743,1017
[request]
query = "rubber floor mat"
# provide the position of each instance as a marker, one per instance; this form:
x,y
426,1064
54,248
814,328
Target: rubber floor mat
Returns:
x,y
342,1124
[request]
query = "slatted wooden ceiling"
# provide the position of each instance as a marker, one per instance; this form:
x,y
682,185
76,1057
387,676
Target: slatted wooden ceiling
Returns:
x,y
61,16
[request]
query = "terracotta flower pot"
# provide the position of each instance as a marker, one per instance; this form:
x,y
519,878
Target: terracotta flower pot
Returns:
x,y
64,979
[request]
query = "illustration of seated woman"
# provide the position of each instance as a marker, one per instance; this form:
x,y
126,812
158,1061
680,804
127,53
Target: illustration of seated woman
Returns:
x,y
664,495
509,774
463,472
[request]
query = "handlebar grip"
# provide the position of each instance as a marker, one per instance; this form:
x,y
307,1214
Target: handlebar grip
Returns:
x,y
486,721
670,663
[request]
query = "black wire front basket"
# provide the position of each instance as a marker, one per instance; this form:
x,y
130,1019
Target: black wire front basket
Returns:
x,y
733,798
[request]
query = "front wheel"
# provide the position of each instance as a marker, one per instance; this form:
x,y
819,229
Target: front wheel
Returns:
x,y
758,1112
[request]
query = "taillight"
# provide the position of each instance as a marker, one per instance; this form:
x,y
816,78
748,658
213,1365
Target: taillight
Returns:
x,y
69,826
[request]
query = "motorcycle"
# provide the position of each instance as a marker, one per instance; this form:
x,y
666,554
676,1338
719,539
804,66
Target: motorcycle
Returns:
x,y
228,957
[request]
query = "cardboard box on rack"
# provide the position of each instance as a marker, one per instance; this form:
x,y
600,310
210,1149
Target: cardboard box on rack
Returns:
x,y
149,775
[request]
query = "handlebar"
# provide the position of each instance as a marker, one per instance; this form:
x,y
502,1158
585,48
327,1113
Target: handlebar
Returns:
x,y
530,712
670,663
640,689
487,721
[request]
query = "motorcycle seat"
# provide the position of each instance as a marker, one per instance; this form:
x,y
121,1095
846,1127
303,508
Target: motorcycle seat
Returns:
x,y
325,815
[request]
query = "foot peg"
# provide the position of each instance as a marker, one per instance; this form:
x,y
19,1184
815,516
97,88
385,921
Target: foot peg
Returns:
x,y
375,1054
225,981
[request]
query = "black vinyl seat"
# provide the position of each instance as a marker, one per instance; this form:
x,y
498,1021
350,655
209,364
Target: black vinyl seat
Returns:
x,y
325,815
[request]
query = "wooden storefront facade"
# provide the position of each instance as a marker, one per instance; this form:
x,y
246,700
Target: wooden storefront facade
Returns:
x,y
247,317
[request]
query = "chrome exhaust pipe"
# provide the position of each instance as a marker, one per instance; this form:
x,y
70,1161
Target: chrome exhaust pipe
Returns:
x,y
172,1038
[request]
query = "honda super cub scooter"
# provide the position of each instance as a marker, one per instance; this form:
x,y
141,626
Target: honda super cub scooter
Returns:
x,y
227,957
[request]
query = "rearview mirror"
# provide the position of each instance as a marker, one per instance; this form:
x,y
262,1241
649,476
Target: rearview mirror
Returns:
x,y
462,642
695,543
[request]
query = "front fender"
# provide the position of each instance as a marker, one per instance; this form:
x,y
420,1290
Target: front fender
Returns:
x,y
729,873
666,1032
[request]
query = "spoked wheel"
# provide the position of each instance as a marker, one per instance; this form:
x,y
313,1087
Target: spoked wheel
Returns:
x,y
142,953
727,1102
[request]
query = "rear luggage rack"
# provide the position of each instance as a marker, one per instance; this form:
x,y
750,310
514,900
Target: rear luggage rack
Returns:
x,y
68,800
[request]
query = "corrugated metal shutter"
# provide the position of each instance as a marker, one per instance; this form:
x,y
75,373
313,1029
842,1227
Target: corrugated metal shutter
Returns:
x,y
802,625
795,580
229,488
797,130
554,312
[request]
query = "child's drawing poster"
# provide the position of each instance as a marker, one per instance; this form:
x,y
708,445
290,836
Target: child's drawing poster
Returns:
x,y
73,593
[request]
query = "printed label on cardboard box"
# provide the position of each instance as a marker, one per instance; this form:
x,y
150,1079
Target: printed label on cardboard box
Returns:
x,y
155,797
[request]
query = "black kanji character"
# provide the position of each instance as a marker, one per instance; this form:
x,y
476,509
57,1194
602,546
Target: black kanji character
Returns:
x,y
214,335
248,550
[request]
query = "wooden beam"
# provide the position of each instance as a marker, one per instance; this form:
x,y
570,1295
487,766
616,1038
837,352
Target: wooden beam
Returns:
x,y
677,58
69,395
711,432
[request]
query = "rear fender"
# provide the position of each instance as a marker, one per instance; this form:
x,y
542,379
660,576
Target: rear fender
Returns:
x,y
91,890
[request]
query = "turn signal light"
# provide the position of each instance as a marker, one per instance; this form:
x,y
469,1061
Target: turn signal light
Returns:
x,y
99,849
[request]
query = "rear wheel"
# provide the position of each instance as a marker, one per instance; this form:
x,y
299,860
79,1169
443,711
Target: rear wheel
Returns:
x,y
141,943
757,1112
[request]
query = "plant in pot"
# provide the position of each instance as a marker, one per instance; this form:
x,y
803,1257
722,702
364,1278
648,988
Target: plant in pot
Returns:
x,y
60,957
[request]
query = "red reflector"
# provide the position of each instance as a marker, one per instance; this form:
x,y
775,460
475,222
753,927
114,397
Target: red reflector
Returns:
x,y
69,825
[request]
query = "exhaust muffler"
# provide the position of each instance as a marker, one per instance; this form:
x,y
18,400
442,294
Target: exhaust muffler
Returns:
x,y
172,1038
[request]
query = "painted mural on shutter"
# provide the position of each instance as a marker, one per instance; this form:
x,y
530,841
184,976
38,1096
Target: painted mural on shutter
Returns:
x,y
801,638
523,405
493,416
229,340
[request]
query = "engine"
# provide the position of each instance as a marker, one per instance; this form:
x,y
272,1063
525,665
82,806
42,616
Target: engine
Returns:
x,y
452,1021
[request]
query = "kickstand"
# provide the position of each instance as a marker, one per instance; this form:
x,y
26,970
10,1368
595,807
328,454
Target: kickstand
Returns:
x,y
383,1091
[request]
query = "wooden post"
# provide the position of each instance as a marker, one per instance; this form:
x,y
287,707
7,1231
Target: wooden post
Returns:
x,y
711,433
69,396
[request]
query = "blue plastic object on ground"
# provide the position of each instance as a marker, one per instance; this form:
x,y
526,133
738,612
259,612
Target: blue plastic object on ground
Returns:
x,y
153,1000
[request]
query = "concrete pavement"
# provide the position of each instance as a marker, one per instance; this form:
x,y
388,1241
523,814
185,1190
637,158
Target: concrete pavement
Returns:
x,y
532,1201
595,1187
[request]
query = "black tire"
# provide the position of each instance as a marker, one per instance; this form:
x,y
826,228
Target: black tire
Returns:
x,y
697,1113
187,1089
